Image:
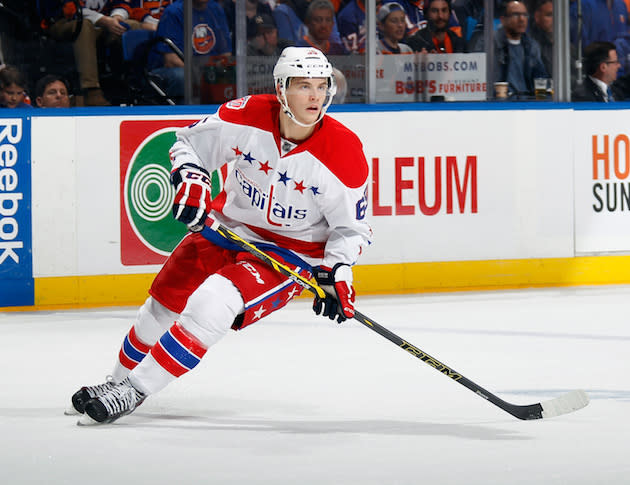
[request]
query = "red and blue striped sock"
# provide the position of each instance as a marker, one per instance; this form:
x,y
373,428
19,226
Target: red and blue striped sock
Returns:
x,y
178,351
132,351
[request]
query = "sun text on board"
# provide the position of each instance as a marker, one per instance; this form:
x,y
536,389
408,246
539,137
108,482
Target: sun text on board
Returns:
x,y
611,162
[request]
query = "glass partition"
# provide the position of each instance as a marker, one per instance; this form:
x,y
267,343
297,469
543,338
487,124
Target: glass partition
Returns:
x,y
383,51
424,51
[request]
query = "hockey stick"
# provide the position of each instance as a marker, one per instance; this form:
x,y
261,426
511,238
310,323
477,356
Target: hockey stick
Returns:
x,y
564,404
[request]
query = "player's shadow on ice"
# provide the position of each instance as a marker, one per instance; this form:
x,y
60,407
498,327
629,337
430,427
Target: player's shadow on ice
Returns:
x,y
317,427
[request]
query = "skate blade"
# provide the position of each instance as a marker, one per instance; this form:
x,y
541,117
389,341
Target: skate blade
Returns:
x,y
86,420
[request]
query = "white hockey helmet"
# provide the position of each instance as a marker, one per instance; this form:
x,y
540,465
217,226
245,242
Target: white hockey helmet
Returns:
x,y
303,62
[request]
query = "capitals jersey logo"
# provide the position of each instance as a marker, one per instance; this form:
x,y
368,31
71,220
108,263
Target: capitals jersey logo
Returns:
x,y
276,213
203,39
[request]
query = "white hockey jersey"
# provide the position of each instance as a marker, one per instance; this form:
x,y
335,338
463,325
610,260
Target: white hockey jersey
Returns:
x,y
311,200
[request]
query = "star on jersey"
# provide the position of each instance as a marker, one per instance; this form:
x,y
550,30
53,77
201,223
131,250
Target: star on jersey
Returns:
x,y
265,167
299,186
259,313
249,157
283,178
292,293
237,152
315,190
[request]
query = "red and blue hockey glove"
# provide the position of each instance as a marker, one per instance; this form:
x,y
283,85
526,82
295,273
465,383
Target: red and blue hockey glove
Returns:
x,y
339,300
192,201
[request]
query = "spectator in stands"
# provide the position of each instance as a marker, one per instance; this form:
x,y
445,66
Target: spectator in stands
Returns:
x,y
609,21
542,31
265,41
603,21
289,22
622,44
414,16
601,65
52,91
13,88
416,20
211,37
437,37
391,26
517,58
351,21
470,15
320,22
253,9
63,22
146,12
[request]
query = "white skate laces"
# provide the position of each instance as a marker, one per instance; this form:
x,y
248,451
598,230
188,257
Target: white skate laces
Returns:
x,y
117,401
86,393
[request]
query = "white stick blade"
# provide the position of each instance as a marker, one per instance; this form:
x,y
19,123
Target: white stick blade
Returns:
x,y
567,403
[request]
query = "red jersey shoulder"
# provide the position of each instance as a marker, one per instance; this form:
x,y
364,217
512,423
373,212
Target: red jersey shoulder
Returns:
x,y
341,151
259,111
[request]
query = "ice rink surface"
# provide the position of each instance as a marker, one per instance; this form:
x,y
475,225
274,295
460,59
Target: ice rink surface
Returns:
x,y
296,399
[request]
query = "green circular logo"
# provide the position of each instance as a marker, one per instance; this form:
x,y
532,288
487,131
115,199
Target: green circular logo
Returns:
x,y
149,194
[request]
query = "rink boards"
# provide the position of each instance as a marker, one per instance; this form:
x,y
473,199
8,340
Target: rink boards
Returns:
x,y
462,196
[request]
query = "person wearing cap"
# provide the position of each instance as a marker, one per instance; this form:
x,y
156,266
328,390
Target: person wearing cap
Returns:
x,y
391,28
437,37
253,10
265,42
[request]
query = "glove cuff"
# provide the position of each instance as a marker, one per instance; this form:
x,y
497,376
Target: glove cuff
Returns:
x,y
176,176
342,272
339,272
323,275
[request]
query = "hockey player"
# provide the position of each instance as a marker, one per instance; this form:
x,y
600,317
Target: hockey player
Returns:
x,y
297,189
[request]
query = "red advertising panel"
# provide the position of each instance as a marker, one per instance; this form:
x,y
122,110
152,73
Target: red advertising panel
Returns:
x,y
147,228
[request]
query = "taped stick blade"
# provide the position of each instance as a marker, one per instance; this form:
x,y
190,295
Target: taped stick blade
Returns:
x,y
564,404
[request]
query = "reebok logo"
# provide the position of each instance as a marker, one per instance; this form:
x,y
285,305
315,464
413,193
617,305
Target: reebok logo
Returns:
x,y
10,197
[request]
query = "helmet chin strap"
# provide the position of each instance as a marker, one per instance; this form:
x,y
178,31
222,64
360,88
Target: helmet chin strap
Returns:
x,y
282,97
292,117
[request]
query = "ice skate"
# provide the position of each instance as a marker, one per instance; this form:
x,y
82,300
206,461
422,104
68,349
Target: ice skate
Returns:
x,y
120,400
86,393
